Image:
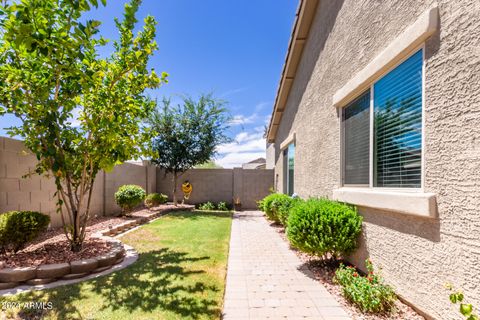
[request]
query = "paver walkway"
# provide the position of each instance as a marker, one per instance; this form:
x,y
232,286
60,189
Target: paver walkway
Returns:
x,y
265,279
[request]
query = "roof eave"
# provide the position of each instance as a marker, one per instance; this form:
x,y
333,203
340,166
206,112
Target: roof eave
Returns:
x,y
301,28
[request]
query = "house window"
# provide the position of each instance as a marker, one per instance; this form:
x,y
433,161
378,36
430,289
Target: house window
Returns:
x,y
289,168
356,124
382,130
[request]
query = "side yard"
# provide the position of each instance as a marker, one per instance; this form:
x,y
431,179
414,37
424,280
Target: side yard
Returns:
x,y
180,273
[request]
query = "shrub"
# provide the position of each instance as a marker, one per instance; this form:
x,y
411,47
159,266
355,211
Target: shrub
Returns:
x,y
266,205
155,199
129,196
282,206
20,227
368,293
322,226
207,206
222,206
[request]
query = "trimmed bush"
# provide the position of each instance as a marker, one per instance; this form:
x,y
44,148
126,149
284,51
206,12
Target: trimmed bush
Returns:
x,y
322,226
155,199
277,206
222,206
17,228
369,293
129,196
208,206
282,206
266,205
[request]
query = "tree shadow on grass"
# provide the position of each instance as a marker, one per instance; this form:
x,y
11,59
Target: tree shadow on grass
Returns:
x,y
158,281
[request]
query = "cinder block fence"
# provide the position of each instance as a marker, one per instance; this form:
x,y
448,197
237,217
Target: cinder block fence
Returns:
x,y
37,193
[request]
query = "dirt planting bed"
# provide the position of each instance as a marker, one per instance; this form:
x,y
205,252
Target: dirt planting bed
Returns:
x,y
324,272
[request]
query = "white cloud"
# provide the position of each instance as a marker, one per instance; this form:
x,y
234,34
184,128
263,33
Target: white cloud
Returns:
x,y
240,119
259,107
246,147
233,91
236,159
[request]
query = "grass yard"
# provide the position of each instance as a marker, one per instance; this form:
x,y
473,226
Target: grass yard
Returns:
x,y
180,274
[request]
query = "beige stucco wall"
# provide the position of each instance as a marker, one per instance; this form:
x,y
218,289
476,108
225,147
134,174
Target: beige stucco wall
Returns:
x,y
37,193
417,255
216,185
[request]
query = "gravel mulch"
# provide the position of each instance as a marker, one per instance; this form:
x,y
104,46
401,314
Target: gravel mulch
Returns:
x,y
52,246
324,272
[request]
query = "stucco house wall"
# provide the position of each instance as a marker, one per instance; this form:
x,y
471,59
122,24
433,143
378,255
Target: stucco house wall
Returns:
x,y
417,255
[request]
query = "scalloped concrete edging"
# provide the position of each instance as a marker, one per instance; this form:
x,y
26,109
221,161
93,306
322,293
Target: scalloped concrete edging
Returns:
x,y
17,280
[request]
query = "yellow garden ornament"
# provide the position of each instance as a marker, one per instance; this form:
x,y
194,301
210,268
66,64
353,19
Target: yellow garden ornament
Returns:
x,y
187,189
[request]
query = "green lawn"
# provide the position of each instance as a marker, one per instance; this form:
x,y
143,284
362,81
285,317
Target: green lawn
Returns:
x,y
180,274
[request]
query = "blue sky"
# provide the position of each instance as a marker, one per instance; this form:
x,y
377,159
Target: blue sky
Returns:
x,y
234,49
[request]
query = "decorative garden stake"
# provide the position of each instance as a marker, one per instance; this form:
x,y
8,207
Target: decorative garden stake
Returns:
x,y
187,190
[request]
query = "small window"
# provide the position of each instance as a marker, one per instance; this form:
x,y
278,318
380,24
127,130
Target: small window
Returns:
x,y
387,128
289,168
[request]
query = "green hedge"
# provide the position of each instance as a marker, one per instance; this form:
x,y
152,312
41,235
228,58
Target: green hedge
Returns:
x,y
17,228
129,196
155,199
267,205
322,226
277,206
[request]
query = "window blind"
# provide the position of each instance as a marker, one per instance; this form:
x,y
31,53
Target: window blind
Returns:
x,y
398,125
356,130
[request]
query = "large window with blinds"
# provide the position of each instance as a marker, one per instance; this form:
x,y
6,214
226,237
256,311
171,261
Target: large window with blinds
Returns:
x,y
382,130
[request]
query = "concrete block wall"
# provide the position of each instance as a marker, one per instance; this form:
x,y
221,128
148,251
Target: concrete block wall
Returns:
x,y
216,185
16,193
37,193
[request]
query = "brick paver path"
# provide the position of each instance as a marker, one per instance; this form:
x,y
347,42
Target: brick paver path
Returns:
x,y
265,279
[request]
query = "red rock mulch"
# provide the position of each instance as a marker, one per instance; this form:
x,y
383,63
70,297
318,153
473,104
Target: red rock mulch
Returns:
x,y
52,246
324,274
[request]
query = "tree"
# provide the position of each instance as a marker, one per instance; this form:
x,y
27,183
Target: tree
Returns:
x,y
50,71
210,164
187,135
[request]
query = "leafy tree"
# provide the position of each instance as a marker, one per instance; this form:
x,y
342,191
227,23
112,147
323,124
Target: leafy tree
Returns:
x,y
50,71
210,164
187,135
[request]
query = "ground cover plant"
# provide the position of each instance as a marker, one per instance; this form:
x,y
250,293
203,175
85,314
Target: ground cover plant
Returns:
x,y
324,228
369,293
177,276
222,206
208,206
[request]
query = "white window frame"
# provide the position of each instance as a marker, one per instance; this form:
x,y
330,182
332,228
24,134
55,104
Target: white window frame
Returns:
x,y
371,142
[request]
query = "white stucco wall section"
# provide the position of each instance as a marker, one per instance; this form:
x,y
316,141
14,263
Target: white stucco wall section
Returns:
x,y
290,139
413,203
411,38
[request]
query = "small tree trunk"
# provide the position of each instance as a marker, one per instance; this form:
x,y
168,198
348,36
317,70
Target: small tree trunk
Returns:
x,y
174,188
